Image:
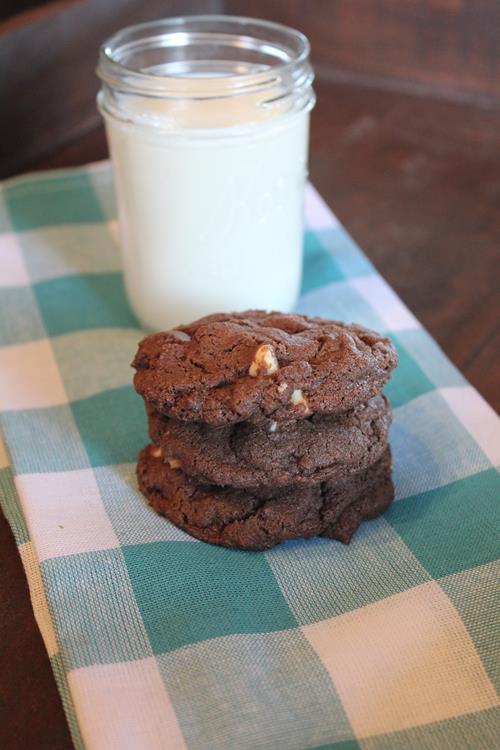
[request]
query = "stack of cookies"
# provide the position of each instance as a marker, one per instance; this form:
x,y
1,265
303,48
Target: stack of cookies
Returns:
x,y
266,427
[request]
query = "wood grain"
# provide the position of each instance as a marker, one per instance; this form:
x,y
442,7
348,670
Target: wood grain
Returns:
x,y
417,183
48,57
446,46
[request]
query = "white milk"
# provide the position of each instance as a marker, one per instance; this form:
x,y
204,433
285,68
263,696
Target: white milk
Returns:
x,y
210,223
207,120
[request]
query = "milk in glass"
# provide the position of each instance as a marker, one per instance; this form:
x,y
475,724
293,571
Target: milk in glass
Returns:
x,y
209,160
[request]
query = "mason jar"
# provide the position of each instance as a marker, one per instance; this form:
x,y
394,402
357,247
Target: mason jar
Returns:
x,y
207,120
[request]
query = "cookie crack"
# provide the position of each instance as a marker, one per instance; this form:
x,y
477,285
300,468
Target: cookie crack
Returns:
x,y
260,503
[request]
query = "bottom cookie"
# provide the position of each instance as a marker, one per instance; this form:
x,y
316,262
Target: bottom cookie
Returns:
x,y
261,518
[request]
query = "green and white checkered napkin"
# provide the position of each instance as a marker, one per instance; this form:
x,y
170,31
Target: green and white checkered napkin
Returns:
x,y
160,641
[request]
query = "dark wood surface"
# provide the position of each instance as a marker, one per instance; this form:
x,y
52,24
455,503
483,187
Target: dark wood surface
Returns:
x,y
417,183
446,46
9,8
48,55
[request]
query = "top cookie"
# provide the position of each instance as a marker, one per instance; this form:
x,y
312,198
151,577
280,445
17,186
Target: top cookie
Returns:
x,y
247,366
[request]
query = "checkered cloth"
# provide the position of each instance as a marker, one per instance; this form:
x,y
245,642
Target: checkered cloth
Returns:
x,y
160,641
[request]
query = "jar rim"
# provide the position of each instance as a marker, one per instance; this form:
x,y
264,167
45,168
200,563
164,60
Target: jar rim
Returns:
x,y
287,50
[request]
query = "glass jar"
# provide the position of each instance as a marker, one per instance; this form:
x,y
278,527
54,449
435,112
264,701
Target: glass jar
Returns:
x,y
207,120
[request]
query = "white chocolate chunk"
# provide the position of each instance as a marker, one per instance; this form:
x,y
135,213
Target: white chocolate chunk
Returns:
x,y
155,452
265,361
180,335
174,463
273,426
298,399
282,387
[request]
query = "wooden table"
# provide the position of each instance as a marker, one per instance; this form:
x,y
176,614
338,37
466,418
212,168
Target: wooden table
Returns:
x,y
417,183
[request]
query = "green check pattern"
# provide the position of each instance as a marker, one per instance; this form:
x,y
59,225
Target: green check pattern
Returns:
x,y
160,641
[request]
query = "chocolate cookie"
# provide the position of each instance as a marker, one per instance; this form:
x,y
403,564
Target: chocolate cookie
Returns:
x,y
261,518
249,366
304,451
